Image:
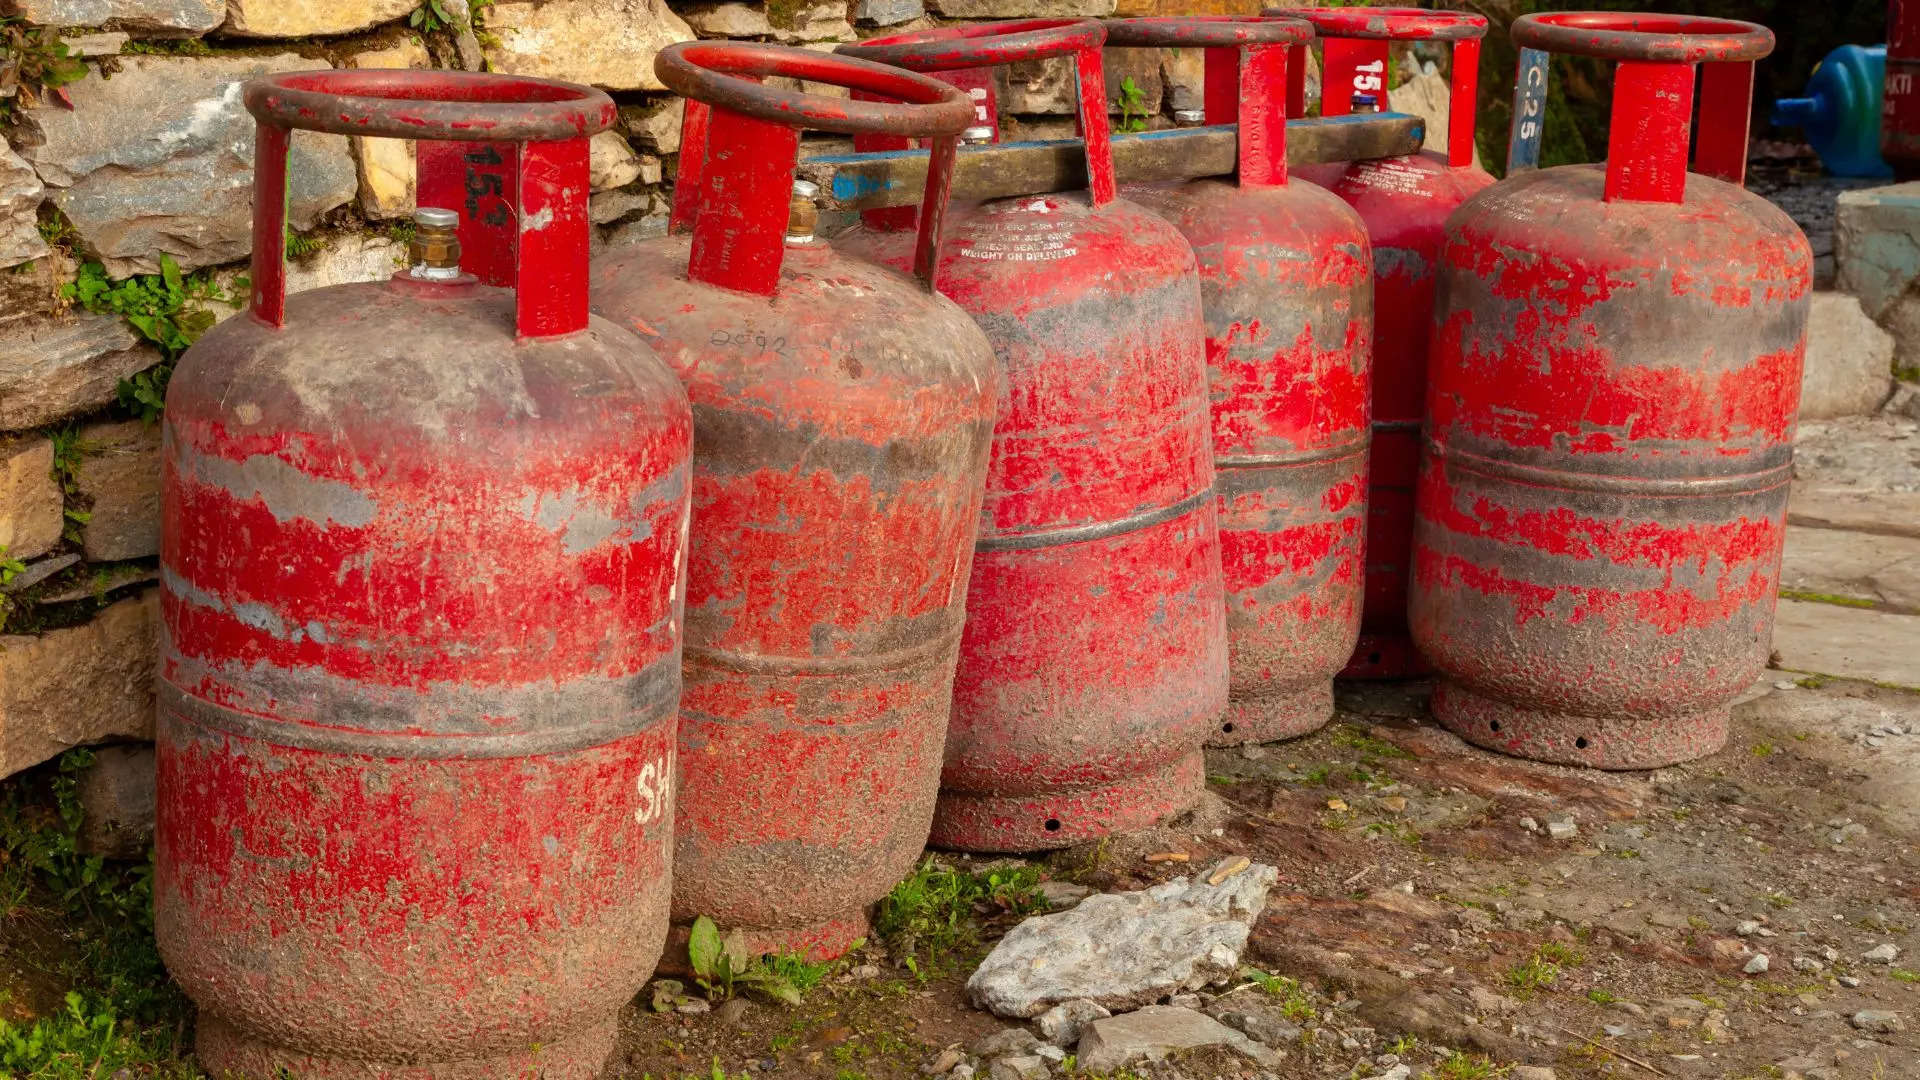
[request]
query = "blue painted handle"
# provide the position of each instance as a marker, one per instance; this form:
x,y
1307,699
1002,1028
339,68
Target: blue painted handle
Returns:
x,y
1529,111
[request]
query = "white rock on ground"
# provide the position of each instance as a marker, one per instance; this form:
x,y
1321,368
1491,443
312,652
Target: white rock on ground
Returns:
x,y
1152,1033
159,158
1062,1024
1849,363
1124,950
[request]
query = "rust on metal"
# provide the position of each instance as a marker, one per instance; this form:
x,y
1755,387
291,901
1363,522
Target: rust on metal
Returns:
x,y
1616,372
1286,287
842,415
1404,201
421,581
1093,659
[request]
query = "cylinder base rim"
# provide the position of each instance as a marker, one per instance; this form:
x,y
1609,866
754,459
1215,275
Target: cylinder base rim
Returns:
x,y
223,1049
1063,817
1274,714
1611,742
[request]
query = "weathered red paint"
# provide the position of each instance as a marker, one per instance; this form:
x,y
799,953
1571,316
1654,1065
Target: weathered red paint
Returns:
x,y
1900,95
1286,284
842,415
1616,370
421,572
1404,203
1093,665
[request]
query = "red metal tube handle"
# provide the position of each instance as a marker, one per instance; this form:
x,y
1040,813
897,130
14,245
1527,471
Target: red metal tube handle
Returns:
x,y
1355,53
1245,77
524,205
746,140
1653,92
950,48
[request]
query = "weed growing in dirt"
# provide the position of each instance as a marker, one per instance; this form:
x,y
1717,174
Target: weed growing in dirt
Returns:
x,y
721,966
122,1010
1542,969
87,1041
1601,997
1905,976
1292,997
936,911
1463,1067
1368,747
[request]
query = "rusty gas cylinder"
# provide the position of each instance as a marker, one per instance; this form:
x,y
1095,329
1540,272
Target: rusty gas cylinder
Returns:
x,y
1093,666
1900,93
1405,202
420,563
1616,370
842,415
1286,283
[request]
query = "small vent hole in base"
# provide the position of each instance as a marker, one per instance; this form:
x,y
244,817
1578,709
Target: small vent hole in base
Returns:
x,y
1053,824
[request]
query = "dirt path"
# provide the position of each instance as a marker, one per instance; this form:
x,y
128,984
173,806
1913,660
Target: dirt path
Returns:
x,y
1425,893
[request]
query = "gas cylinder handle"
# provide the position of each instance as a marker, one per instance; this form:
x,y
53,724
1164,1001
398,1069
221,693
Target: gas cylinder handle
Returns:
x,y
1245,76
741,140
1653,90
1354,51
1391,23
523,208
976,45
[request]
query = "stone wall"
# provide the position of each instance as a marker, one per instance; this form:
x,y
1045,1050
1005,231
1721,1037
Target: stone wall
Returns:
x,y
139,168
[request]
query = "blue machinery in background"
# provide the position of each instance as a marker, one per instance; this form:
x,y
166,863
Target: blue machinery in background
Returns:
x,y
1840,111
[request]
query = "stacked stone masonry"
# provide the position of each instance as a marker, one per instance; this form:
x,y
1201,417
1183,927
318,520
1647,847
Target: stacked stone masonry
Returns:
x,y
147,160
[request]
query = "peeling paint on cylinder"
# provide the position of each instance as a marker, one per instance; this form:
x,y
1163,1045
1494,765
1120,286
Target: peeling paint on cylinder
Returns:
x,y
842,415
415,743
1405,203
842,428
1610,414
1093,664
1286,289
1603,499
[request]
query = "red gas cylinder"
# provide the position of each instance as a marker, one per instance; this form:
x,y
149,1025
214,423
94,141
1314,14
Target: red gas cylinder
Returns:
x,y
842,415
1094,663
1900,96
420,570
1286,282
1405,202
1616,369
